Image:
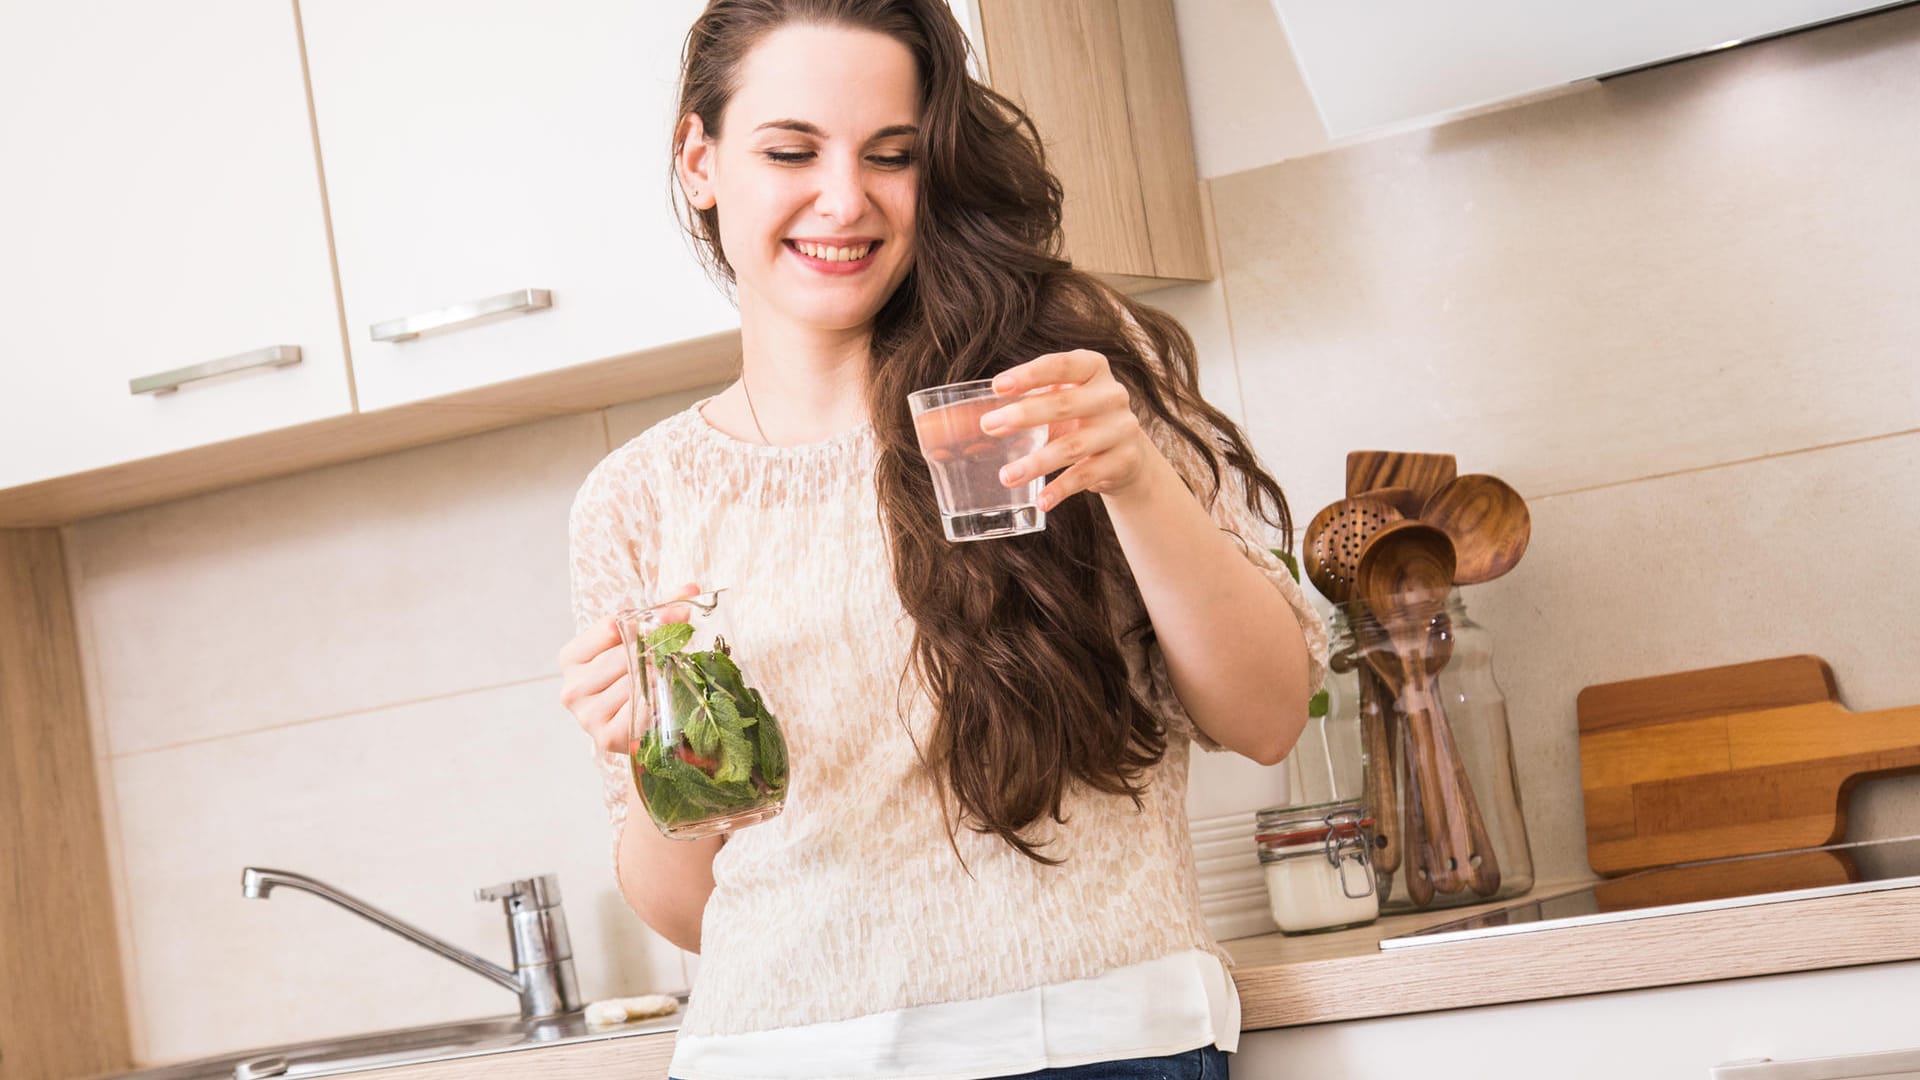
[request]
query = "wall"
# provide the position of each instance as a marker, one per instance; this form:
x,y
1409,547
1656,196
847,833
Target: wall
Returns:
x,y
1676,310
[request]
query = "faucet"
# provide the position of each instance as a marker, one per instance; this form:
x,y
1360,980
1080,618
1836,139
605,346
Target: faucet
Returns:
x,y
542,972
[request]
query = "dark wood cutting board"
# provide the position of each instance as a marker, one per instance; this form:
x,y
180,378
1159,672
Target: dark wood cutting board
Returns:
x,y
1725,761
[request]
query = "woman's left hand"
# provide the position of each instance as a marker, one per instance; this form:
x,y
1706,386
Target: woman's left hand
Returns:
x,y
1092,432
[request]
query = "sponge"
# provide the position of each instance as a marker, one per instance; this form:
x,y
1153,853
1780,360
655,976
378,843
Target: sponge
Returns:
x,y
621,1010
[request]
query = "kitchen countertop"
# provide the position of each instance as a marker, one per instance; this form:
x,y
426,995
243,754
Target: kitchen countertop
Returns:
x,y
1325,978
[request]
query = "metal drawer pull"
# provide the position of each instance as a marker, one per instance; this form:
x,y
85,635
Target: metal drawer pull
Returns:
x,y
413,326
168,381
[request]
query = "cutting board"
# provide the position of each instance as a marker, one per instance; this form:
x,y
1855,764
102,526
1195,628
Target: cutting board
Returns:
x,y
1725,761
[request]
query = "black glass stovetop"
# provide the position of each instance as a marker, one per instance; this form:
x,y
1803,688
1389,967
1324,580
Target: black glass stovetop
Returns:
x,y
1775,877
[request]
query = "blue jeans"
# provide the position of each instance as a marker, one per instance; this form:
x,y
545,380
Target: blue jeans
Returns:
x,y
1206,1063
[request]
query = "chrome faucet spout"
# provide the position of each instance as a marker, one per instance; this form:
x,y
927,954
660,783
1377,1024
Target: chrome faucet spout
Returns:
x,y
543,976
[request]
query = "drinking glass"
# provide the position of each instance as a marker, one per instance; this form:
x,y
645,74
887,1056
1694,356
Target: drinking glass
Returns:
x,y
707,754
966,462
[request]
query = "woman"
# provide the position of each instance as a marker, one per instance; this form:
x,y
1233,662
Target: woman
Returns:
x,y
983,867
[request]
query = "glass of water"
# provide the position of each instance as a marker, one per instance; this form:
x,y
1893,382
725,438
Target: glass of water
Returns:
x,y
966,462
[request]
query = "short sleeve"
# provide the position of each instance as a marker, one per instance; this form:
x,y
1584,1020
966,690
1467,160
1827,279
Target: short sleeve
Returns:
x,y
1231,514
612,561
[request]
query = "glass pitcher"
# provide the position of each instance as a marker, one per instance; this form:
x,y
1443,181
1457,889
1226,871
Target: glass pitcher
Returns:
x,y
706,752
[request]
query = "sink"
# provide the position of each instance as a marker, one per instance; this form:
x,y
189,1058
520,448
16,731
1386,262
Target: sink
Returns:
x,y
405,1046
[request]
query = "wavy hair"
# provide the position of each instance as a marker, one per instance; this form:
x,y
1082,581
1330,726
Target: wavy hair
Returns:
x,y
1014,638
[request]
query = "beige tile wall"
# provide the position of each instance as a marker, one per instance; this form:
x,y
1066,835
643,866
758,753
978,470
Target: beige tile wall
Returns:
x,y
1676,309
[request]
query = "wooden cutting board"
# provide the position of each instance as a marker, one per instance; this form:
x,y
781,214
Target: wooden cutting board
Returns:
x,y
1733,760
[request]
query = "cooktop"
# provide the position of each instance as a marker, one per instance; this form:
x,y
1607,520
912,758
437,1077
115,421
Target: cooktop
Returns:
x,y
1772,878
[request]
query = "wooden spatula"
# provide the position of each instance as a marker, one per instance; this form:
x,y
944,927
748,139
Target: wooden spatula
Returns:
x,y
1423,473
1737,760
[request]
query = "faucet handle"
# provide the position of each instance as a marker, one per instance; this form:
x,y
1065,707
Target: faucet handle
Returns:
x,y
526,893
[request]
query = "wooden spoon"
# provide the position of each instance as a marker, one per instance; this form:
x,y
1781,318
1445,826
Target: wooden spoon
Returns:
x,y
1482,866
1405,573
1417,845
1487,522
1333,541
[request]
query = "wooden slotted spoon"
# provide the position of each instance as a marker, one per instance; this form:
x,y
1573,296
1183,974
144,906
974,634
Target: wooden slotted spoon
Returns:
x,y
1334,539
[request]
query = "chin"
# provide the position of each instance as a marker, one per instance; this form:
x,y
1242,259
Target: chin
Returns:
x,y
835,316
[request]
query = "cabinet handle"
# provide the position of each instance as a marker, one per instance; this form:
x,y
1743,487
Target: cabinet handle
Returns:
x,y
412,326
168,381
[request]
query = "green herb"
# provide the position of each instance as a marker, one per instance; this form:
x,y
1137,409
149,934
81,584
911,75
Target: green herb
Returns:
x,y
668,638
726,754
1292,566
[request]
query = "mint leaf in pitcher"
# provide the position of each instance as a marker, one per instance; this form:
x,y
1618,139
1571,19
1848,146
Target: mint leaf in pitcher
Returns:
x,y
668,638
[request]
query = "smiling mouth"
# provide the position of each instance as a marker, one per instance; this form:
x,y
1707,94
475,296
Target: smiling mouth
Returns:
x,y
834,258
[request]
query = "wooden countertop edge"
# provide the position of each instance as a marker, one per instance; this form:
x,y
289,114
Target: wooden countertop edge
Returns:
x,y
1288,982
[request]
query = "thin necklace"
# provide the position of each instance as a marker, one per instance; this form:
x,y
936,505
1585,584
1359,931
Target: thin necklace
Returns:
x,y
762,432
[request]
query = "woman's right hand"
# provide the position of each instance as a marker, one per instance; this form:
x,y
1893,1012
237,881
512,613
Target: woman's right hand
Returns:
x,y
595,683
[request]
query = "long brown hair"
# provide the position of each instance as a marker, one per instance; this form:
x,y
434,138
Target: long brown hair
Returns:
x,y
1013,638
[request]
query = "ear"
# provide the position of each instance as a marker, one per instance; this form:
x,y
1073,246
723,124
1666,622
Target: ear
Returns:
x,y
695,162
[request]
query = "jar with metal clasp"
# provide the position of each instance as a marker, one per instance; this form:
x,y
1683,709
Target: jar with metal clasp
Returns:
x,y
1319,866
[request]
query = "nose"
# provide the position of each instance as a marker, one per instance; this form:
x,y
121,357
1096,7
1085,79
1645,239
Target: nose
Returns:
x,y
842,198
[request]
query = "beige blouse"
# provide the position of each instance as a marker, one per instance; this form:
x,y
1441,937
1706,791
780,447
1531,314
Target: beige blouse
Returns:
x,y
851,901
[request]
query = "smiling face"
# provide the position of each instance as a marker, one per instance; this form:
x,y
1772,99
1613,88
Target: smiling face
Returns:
x,y
814,175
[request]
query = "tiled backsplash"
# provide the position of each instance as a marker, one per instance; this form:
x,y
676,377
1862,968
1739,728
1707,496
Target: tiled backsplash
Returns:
x,y
1677,310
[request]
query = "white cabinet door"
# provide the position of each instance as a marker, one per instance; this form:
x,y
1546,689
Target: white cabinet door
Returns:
x,y
159,207
477,149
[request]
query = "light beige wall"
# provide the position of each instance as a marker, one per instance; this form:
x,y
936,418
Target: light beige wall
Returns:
x,y
1677,310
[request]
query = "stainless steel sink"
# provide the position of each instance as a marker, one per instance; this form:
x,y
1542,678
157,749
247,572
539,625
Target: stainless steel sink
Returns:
x,y
407,1046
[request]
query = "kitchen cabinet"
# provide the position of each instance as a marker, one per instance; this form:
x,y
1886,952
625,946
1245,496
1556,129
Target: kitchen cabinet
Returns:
x,y
160,208
472,157
472,153
219,179
1673,1033
1102,81
1376,65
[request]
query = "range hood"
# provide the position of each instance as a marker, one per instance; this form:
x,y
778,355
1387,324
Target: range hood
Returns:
x,y
1373,64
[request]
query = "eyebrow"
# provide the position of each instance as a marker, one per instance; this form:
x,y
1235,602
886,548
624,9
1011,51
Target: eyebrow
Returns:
x,y
805,128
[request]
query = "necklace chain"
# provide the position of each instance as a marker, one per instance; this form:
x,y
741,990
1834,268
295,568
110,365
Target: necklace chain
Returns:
x,y
751,411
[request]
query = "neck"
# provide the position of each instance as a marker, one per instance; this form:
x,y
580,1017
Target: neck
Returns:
x,y
807,383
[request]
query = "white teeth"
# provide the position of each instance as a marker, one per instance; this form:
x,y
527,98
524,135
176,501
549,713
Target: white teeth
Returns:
x,y
834,254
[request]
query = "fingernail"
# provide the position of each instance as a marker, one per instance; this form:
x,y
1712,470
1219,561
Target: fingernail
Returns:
x,y
990,423
1002,383
1010,475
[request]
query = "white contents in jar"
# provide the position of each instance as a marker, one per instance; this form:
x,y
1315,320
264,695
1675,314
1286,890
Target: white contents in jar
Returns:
x,y
1306,894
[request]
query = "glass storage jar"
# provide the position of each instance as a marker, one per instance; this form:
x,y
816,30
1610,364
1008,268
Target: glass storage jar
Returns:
x,y
1442,790
1318,865
706,752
